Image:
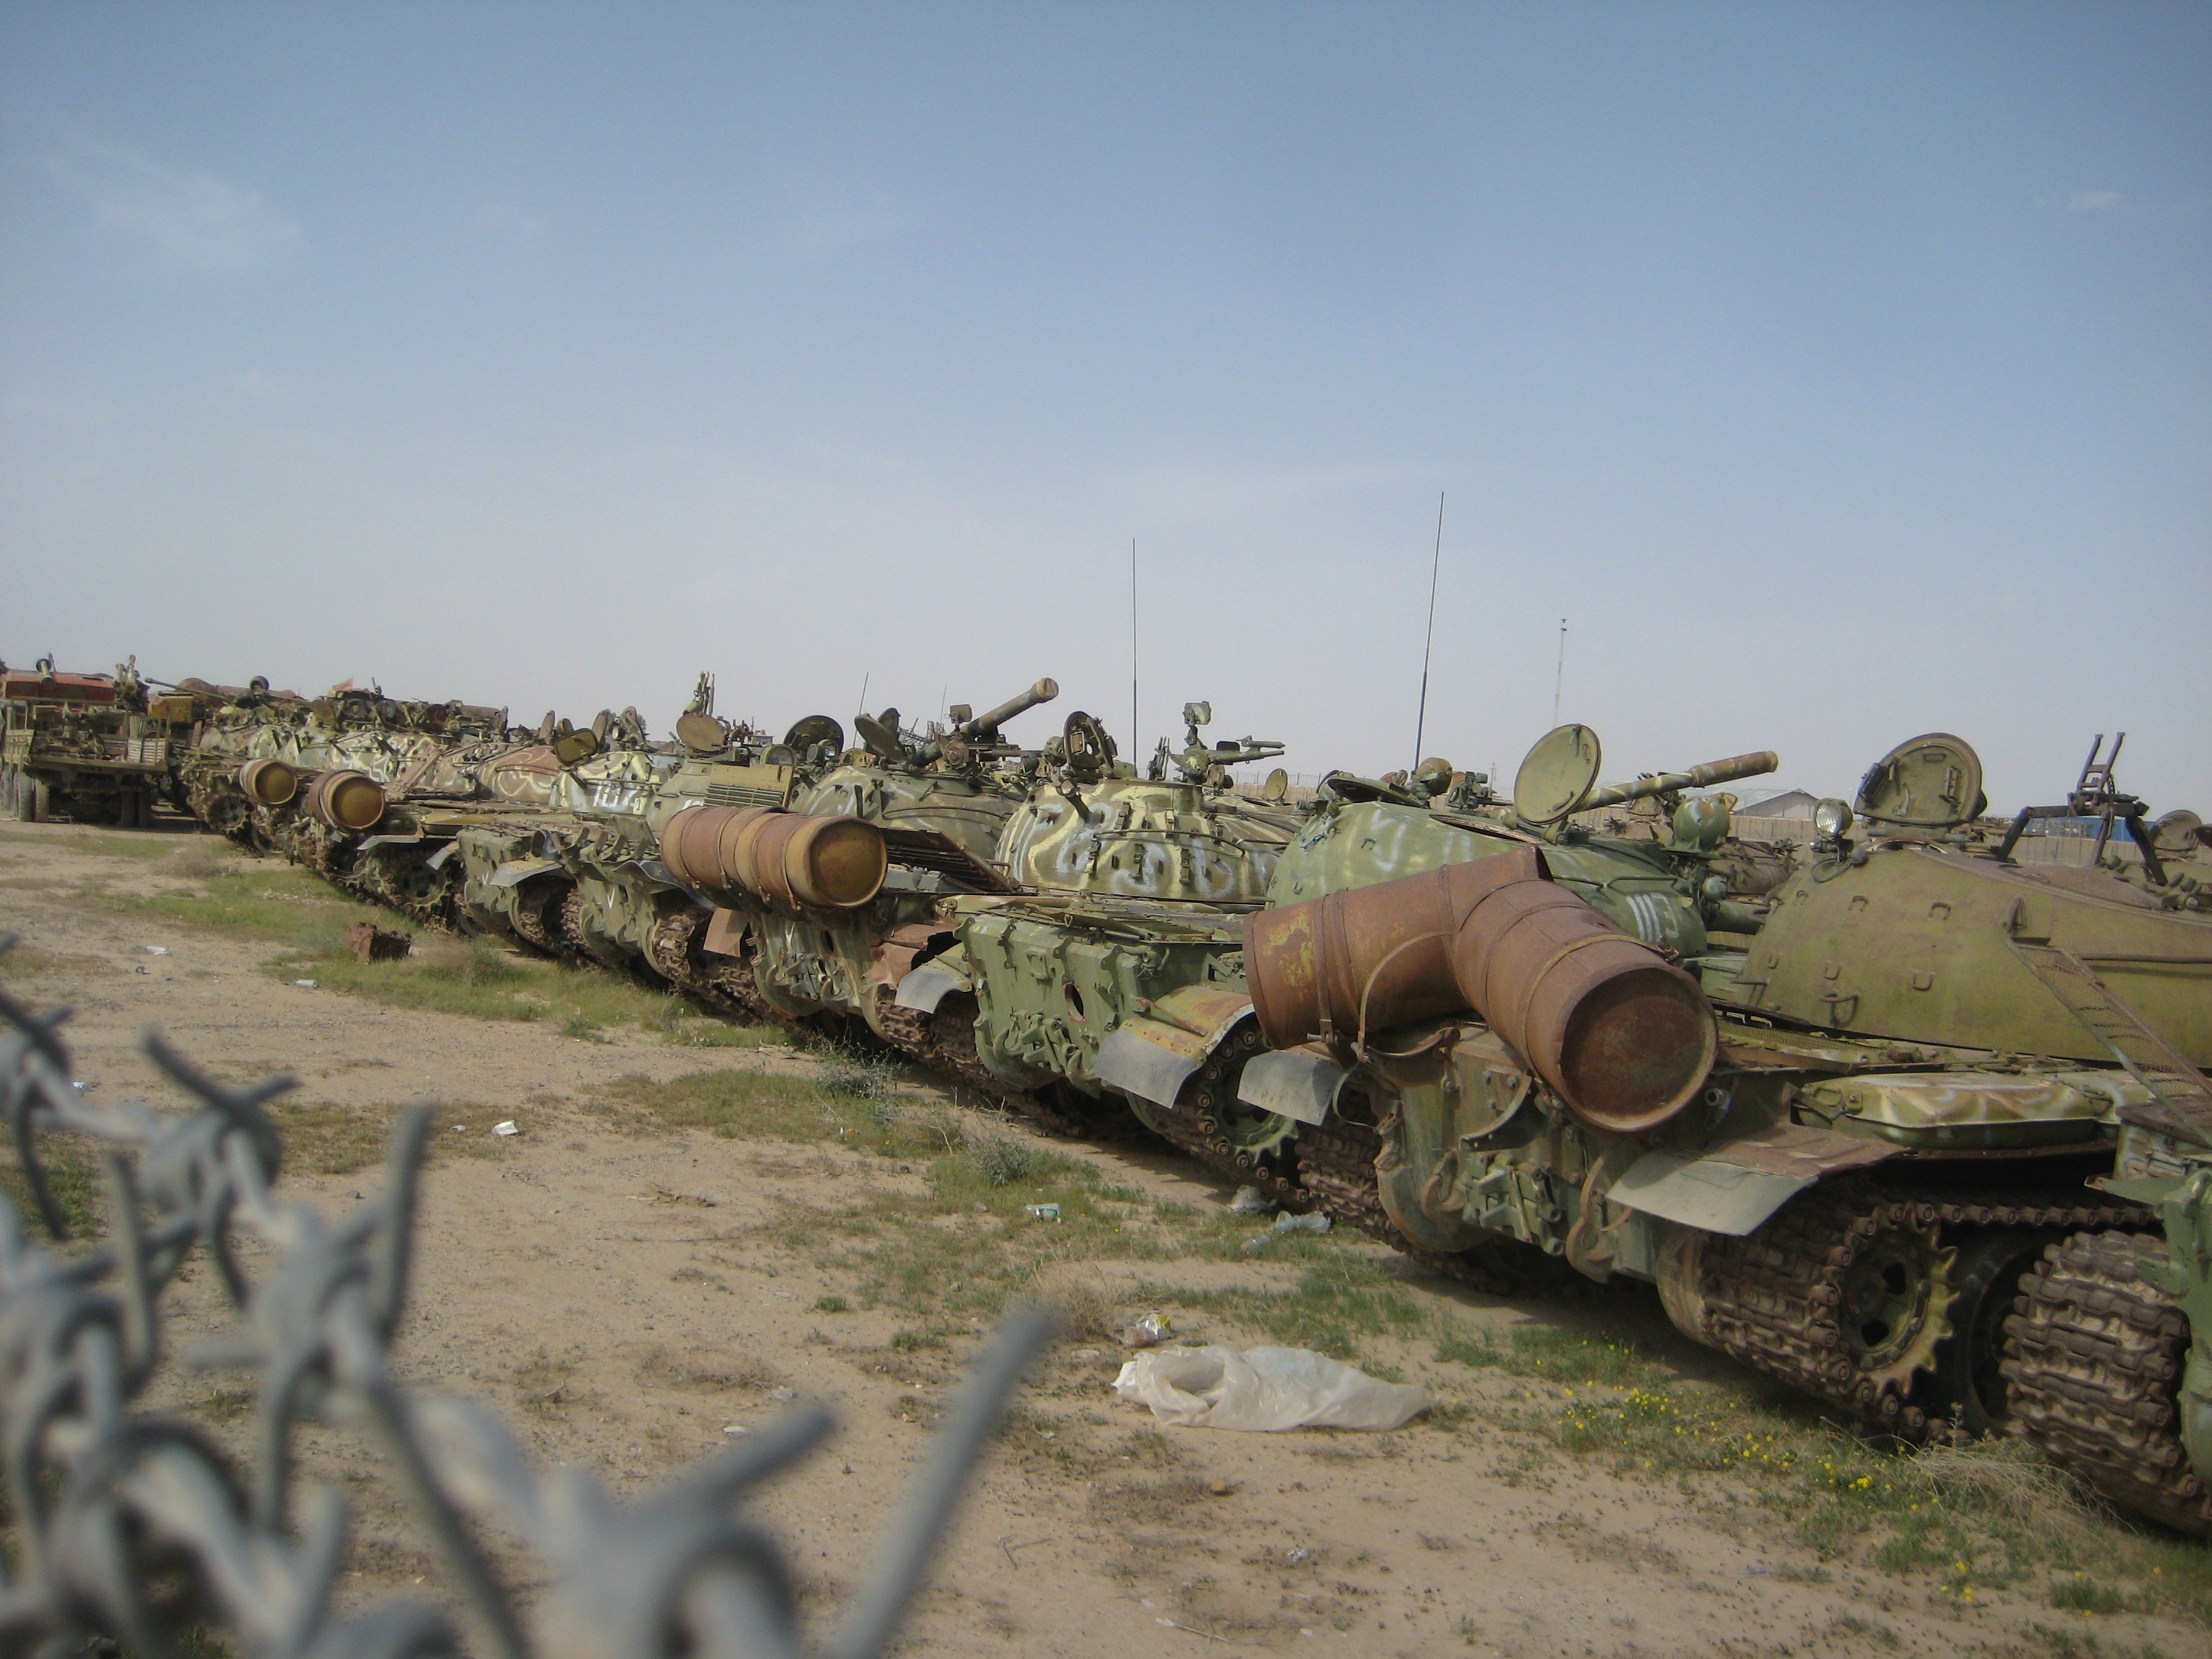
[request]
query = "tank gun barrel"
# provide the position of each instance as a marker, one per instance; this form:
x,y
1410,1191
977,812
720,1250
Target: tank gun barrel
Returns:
x,y
1698,777
1043,691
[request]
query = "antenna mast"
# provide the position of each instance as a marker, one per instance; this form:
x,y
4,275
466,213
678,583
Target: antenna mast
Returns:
x,y
1436,563
864,691
1133,645
1559,675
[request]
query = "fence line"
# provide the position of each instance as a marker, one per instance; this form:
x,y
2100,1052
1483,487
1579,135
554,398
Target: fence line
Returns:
x,y
112,1509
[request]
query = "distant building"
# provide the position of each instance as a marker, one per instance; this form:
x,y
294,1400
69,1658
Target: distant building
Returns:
x,y
1790,803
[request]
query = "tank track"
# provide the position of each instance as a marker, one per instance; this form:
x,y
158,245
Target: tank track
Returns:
x,y
429,899
534,922
2094,1355
944,1040
1331,1171
1773,1299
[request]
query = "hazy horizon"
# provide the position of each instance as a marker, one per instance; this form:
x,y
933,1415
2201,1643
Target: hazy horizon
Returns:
x,y
1839,372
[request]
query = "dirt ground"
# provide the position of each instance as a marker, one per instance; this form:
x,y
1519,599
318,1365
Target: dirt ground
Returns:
x,y
623,1296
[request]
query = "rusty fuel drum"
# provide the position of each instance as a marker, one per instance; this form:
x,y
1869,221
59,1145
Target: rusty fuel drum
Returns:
x,y
804,859
1625,1037
270,782
344,799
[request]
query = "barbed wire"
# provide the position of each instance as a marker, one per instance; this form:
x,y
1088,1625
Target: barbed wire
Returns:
x,y
126,1526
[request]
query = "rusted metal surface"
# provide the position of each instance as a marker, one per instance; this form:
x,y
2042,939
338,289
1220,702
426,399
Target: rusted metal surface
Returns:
x,y
800,860
269,782
1623,1036
344,799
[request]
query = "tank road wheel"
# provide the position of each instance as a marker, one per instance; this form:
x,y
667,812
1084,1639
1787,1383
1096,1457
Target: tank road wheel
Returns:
x,y
536,914
1968,1383
1843,1293
2094,1359
1246,1134
1893,1308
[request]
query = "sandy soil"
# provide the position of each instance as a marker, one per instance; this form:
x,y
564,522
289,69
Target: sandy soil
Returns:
x,y
615,1299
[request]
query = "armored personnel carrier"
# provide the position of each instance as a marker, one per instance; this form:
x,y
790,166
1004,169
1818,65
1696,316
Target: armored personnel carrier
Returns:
x,y
1835,1150
92,747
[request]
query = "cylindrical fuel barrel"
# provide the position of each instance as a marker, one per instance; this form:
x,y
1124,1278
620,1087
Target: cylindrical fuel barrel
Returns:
x,y
1625,1037
695,844
345,800
805,859
271,782
813,859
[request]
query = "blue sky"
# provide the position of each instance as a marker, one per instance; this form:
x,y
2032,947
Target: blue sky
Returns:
x,y
1841,373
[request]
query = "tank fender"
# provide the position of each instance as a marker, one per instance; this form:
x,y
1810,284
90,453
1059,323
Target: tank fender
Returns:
x,y
1300,1083
894,961
1150,1055
726,931
1734,1185
2186,1276
934,981
515,872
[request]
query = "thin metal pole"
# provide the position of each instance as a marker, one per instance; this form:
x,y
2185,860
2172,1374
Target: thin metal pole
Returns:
x,y
864,691
1436,564
1559,676
1134,740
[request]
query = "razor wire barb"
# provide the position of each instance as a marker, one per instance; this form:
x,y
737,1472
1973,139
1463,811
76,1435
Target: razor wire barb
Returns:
x,y
125,1527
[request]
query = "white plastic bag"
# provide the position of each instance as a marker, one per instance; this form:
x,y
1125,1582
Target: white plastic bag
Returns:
x,y
1264,1388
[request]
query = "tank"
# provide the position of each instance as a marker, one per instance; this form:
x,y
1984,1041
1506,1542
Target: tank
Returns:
x,y
815,871
1835,1148
91,747
1132,890
2108,1357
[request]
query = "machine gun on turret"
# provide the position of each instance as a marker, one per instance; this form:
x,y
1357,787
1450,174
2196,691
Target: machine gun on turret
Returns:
x,y
1197,762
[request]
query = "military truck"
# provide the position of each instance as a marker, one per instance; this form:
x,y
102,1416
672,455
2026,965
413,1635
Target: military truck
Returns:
x,y
91,747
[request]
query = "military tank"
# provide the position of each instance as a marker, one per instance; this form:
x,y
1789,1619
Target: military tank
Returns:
x,y
819,900
1836,1149
1131,890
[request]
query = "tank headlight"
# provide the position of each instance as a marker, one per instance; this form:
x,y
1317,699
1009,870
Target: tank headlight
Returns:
x,y
1831,818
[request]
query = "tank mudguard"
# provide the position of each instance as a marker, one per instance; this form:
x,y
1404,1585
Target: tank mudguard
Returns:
x,y
1152,1055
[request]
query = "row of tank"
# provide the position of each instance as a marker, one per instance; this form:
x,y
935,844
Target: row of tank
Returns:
x,y
1918,1128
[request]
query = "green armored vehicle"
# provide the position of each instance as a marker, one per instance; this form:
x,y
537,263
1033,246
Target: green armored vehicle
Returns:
x,y
1132,891
2108,1360
803,880
1835,1149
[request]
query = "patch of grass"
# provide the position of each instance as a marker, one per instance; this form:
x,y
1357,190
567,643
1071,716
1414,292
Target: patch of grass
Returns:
x,y
485,980
329,1140
73,1176
247,899
1970,1517
1555,1355
25,962
144,848
987,1161
2082,1594
751,1105
1342,1299
862,1076
832,1304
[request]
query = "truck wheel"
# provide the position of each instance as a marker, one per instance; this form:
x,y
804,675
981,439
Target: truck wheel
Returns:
x,y
7,791
38,805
